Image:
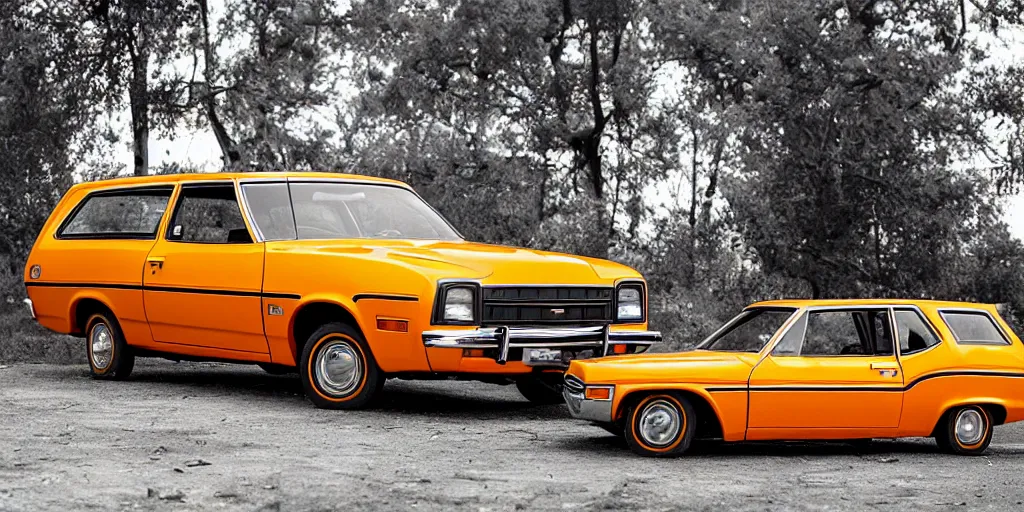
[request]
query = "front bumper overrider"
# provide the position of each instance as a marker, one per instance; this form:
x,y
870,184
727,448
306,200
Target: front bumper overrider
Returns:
x,y
503,338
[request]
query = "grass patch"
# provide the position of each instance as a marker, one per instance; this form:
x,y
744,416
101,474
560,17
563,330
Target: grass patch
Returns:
x,y
22,340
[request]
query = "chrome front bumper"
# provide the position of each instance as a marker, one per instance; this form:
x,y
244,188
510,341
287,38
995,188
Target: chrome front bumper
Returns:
x,y
574,393
599,337
31,308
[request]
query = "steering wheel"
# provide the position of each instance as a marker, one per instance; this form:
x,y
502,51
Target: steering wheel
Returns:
x,y
388,233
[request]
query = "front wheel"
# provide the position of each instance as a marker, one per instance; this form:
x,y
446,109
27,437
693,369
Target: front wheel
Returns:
x,y
338,370
541,389
110,357
965,430
660,425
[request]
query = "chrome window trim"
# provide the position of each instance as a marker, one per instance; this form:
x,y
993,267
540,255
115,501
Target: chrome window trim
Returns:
x,y
892,317
58,234
183,184
974,311
927,323
770,344
325,179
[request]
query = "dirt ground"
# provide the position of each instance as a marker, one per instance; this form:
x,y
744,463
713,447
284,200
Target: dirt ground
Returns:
x,y
186,436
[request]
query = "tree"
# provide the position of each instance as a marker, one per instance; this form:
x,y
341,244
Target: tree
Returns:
x,y
562,89
44,107
855,176
125,37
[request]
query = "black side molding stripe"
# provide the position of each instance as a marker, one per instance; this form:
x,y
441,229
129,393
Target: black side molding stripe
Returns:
x,y
889,389
168,289
383,296
83,285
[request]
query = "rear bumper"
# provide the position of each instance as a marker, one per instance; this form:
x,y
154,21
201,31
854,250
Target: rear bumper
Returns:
x,y
598,337
31,308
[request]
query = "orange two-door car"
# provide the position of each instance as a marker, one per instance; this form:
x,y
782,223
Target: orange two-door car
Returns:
x,y
347,279
816,370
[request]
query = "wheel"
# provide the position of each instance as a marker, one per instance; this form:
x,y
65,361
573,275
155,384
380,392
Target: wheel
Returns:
x,y
965,430
337,369
660,425
110,357
276,369
543,389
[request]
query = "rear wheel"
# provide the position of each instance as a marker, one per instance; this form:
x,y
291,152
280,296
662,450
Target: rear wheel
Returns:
x,y
541,389
660,425
110,357
338,370
965,430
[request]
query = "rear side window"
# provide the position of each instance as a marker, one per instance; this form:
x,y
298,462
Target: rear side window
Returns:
x,y
974,328
118,214
914,334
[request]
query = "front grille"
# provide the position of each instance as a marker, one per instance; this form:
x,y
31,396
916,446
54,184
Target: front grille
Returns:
x,y
547,305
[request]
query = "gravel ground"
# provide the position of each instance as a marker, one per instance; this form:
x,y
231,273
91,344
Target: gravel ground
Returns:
x,y
185,436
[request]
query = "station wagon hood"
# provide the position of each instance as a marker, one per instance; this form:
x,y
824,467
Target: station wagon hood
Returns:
x,y
695,366
488,263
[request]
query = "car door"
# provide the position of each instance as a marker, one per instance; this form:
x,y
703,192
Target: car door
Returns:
x,y
833,369
203,278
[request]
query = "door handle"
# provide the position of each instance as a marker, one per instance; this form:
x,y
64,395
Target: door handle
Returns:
x,y
885,366
155,262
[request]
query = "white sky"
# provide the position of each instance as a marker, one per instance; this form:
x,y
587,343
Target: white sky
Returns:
x,y
200,149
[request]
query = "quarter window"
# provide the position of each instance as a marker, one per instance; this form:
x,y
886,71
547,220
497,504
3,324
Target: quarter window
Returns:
x,y
914,334
208,214
131,213
974,328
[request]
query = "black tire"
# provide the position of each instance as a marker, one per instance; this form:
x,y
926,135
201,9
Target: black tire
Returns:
x,y
348,345
541,389
276,369
951,439
676,408
115,362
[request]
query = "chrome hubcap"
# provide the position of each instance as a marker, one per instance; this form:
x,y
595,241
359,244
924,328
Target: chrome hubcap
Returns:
x,y
339,369
102,343
970,427
659,423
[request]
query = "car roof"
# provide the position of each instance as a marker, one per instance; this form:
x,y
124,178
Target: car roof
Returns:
x,y
214,176
800,303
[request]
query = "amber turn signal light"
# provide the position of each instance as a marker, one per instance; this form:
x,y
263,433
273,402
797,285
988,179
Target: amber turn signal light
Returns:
x,y
386,324
598,393
619,349
472,352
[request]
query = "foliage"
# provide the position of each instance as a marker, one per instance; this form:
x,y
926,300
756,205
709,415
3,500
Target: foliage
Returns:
x,y
731,150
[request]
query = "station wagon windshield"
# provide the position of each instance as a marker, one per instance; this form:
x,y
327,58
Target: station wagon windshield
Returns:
x,y
320,210
749,331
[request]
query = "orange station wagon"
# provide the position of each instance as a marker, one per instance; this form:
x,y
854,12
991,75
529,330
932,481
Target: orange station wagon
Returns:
x,y
805,370
347,280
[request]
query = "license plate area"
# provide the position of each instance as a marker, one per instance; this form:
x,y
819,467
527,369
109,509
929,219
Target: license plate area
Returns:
x,y
553,357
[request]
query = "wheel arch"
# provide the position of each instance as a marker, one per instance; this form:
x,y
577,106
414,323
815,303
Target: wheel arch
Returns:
x,y
709,419
995,409
82,307
314,313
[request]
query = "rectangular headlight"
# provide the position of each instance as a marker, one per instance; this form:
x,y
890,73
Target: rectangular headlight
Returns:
x,y
458,304
629,301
